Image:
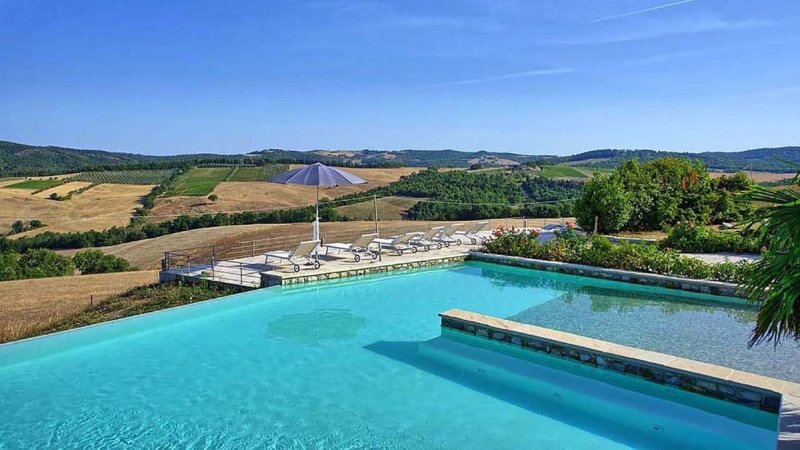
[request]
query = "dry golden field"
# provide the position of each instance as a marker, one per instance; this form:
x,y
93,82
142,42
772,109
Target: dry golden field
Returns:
x,y
389,208
63,189
98,208
29,304
243,196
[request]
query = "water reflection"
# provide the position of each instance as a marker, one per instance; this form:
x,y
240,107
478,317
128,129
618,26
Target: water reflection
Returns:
x,y
315,327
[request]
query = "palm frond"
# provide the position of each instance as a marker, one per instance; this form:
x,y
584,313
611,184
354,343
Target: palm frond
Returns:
x,y
774,281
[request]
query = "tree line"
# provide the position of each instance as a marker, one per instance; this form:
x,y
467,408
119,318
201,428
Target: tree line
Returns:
x,y
661,193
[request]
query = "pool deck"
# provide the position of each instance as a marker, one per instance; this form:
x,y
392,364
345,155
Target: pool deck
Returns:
x,y
253,273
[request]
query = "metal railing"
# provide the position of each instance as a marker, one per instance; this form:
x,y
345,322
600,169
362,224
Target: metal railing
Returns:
x,y
229,253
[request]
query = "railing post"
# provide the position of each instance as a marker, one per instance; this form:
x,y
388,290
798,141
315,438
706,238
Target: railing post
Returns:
x,y
253,252
241,277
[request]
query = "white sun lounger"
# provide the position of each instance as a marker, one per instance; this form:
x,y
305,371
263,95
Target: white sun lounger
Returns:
x,y
448,235
359,247
399,243
426,241
474,229
303,253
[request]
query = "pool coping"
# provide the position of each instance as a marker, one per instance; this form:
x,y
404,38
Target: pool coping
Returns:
x,y
288,279
757,391
627,276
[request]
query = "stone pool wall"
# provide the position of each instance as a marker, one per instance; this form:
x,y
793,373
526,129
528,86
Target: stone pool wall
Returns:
x,y
706,379
650,279
270,279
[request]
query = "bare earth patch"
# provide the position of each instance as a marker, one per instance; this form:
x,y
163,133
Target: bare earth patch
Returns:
x,y
27,304
265,196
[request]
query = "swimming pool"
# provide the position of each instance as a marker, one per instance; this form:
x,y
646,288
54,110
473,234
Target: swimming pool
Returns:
x,y
352,363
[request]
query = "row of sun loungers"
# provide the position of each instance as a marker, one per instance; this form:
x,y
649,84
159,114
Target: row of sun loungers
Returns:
x,y
367,245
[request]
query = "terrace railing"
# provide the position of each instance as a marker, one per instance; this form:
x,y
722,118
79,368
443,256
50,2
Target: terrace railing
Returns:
x,y
229,257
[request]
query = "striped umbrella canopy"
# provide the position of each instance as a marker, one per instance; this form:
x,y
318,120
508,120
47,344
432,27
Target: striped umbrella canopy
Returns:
x,y
318,174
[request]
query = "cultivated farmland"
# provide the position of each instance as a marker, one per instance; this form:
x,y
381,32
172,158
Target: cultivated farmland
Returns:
x,y
240,196
149,177
260,173
199,181
63,189
561,172
389,208
98,208
35,185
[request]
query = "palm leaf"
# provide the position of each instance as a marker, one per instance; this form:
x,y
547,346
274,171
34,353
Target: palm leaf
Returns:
x,y
774,281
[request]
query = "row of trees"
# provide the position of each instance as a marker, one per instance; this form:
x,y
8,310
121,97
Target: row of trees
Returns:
x,y
461,195
41,263
659,193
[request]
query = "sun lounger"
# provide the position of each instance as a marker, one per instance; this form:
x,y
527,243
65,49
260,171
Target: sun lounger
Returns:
x,y
426,241
448,235
399,243
359,247
303,253
472,232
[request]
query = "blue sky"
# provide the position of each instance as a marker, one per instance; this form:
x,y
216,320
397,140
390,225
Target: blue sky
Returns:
x,y
547,77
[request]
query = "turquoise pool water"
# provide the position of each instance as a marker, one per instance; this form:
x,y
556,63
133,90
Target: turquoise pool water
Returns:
x,y
348,364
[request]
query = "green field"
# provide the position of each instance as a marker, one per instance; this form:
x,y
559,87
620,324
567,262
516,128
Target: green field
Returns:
x,y
261,173
589,171
35,185
561,172
199,181
126,176
389,208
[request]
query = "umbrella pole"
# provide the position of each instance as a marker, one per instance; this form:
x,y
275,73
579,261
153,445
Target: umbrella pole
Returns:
x,y
317,227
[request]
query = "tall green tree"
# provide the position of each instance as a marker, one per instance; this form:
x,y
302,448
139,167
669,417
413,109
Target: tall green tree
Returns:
x,y
775,280
604,197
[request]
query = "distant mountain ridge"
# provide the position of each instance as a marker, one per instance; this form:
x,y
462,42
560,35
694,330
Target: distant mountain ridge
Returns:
x,y
26,160
759,159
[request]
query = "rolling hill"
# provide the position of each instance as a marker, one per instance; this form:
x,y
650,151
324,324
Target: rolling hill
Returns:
x,y
29,160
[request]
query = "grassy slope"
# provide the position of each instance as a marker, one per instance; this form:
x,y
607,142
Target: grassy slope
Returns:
x,y
34,185
389,208
589,171
138,300
561,172
200,181
263,173
29,304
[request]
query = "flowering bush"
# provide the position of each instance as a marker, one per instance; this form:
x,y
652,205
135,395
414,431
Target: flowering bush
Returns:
x,y
599,251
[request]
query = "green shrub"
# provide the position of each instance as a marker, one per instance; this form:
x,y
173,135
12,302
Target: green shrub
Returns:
x,y
686,237
95,261
605,198
40,263
599,251
17,227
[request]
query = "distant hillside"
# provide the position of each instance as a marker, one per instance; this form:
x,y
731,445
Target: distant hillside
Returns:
x,y
21,159
29,160
760,159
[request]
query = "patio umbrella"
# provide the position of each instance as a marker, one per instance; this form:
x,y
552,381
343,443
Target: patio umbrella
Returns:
x,y
318,174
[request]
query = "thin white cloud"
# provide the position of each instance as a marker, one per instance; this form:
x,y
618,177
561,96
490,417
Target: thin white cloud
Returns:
x,y
640,11
508,76
652,29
